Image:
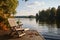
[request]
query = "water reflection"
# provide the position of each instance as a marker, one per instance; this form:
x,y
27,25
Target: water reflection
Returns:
x,y
52,28
30,19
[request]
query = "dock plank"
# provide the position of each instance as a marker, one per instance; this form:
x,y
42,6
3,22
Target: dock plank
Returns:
x,y
30,35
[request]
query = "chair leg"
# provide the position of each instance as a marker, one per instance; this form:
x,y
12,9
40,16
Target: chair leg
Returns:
x,y
10,33
17,33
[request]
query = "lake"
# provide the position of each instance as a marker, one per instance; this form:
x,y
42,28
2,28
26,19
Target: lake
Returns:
x,y
48,31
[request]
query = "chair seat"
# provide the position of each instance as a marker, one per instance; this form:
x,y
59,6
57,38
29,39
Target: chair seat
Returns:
x,y
19,29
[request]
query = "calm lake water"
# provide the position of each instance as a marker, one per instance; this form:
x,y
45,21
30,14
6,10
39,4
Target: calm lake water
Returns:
x,y
48,31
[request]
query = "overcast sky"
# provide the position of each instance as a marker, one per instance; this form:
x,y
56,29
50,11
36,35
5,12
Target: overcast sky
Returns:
x,y
32,7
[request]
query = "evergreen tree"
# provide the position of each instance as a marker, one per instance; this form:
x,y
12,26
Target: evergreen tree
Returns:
x,y
58,13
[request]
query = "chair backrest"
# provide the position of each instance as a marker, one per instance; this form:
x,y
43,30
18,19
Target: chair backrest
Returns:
x,y
12,22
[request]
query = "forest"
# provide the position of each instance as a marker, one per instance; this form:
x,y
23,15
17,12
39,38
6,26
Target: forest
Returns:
x,y
50,15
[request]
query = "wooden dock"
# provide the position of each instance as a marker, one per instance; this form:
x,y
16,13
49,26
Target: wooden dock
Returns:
x,y
30,35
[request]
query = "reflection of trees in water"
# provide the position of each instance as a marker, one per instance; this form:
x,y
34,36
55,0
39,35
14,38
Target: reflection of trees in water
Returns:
x,y
51,23
58,23
52,27
30,19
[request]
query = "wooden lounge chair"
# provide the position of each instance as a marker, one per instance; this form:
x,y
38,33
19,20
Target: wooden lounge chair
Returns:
x,y
15,28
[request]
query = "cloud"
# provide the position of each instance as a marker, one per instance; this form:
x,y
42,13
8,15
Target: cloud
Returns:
x,y
35,4
31,8
26,12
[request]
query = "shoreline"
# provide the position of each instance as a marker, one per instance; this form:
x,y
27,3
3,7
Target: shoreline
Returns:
x,y
30,35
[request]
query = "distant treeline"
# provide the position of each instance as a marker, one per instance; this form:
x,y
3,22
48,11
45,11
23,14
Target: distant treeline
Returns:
x,y
49,15
30,16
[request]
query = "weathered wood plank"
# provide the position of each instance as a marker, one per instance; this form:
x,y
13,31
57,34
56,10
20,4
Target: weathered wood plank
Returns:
x,y
30,35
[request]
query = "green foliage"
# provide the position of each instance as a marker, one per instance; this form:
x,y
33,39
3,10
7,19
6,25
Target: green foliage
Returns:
x,y
58,14
53,11
37,15
1,19
8,6
50,15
